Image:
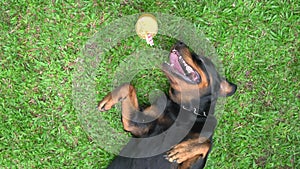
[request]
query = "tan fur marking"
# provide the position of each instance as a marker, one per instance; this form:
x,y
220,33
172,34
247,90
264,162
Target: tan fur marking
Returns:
x,y
189,149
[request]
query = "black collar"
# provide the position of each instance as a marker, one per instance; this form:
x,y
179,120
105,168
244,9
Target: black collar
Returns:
x,y
201,114
202,108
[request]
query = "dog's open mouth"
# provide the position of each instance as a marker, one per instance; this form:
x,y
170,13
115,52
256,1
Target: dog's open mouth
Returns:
x,y
179,67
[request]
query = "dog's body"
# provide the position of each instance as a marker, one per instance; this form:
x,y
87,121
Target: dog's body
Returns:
x,y
194,88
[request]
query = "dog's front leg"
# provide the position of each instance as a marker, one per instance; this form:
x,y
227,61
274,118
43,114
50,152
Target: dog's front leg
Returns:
x,y
112,98
189,151
130,109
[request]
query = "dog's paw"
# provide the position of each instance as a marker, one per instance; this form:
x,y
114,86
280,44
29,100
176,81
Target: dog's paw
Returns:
x,y
106,103
188,149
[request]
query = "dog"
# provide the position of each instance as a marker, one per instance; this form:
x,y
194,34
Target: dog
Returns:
x,y
195,86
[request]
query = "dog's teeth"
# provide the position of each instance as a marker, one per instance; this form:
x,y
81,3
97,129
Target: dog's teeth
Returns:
x,y
184,63
189,69
169,64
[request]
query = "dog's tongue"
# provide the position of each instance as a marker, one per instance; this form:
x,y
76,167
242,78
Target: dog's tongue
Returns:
x,y
175,63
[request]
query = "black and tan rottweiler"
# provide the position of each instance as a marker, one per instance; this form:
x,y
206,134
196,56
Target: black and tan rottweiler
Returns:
x,y
194,87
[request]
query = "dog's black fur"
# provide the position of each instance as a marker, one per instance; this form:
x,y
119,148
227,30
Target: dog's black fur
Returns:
x,y
193,93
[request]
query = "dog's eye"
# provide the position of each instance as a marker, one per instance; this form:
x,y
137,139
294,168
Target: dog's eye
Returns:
x,y
173,91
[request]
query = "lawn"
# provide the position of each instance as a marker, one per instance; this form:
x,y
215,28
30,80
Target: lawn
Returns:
x,y
41,44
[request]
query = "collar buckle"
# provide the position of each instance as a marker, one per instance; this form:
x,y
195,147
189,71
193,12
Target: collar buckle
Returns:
x,y
195,111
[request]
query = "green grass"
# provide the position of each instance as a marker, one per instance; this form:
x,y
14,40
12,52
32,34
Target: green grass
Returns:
x,y
258,43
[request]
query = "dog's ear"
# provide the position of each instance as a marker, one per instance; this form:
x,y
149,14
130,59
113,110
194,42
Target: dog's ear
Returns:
x,y
227,88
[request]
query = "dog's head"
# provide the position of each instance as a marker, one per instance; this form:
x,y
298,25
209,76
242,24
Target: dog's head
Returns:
x,y
192,76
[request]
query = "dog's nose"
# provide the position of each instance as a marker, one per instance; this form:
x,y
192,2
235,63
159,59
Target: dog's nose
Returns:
x,y
180,44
